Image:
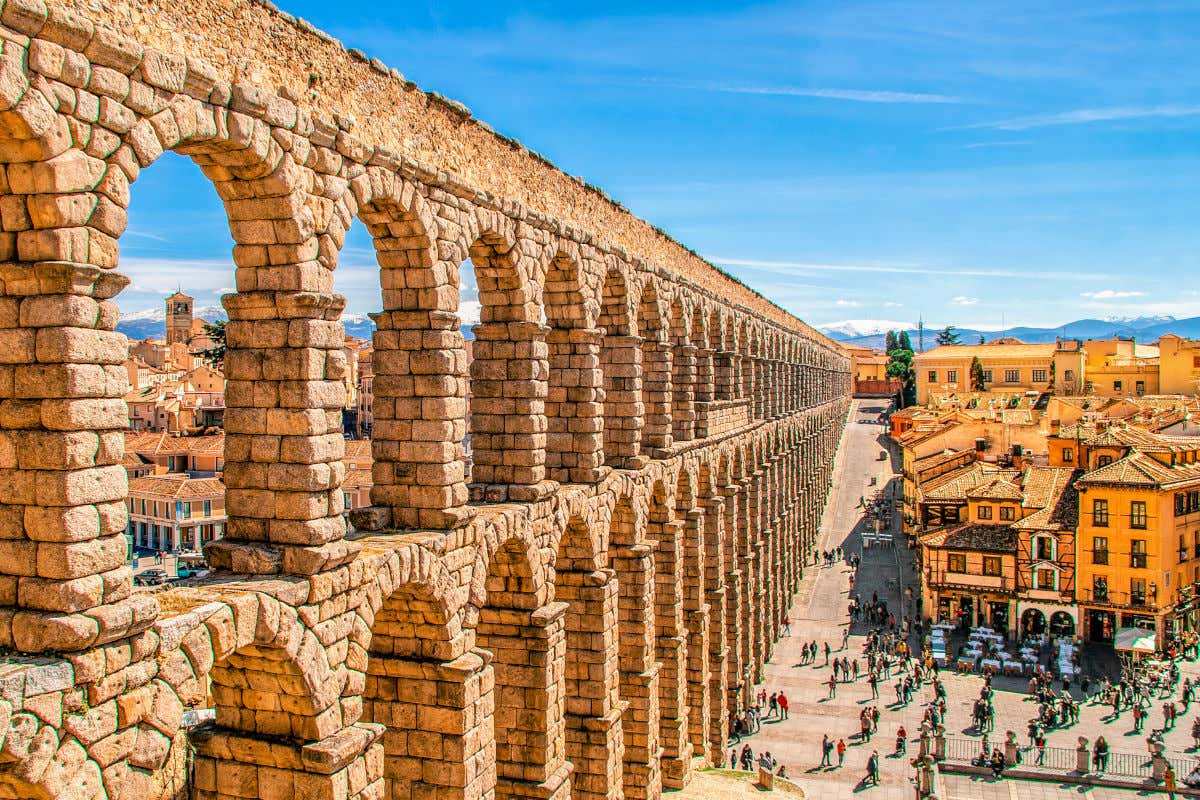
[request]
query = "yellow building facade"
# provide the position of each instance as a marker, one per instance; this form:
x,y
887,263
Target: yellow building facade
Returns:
x,y
1138,536
1008,366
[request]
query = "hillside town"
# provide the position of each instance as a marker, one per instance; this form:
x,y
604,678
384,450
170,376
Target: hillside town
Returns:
x,y
1053,488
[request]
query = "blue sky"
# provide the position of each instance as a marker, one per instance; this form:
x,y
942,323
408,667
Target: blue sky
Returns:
x,y
972,163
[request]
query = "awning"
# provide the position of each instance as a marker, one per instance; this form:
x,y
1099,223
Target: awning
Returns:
x,y
1137,639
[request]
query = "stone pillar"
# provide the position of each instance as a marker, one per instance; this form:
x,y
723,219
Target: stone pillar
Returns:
x,y
736,620
621,360
419,414
529,648
639,672
656,398
62,421
509,380
575,406
232,765
718,651
724,374
671,651
762,391
595,737
683,382
705,382
697,613
748,555
284,444
436,742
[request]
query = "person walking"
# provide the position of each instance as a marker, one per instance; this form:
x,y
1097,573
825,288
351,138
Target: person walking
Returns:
x,y
874,681
832,688
901,741
827,654
841,751
783,706
826,750
873,768
1040,743
1169,782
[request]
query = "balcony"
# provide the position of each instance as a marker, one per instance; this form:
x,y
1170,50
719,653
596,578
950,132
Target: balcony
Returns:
x,y
968,580
1116,599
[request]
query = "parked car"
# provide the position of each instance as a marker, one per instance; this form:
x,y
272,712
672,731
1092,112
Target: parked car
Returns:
x,y
150,577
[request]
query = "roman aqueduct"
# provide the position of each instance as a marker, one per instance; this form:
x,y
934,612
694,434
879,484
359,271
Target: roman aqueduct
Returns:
x,y
653,444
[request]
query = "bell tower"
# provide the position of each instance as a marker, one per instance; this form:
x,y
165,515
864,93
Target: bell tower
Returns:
x,y
179,318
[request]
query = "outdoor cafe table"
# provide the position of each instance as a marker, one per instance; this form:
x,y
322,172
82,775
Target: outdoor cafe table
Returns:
x,y
990,662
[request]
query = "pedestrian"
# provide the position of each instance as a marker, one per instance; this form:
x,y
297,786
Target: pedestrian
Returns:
x,y
874,686
826,750
1100,754
787,627
783,706
1040,743
841,751
827,653
873,768
837,668
773,706
832,688
901,740
1169,781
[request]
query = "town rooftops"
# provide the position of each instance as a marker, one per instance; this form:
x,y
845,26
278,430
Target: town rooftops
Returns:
x,y
176,487
998,488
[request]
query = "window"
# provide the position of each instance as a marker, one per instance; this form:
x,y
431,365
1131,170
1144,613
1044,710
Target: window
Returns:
x,y
956,562
1137,591
984,512
1068,375
952,376
1117,386
1195,362
1137,553
933,376
1041,376
1008,513
1180,504
1099,588
1045,549
987,376
1139,388
1193,501
991,565
1045,579
1103,461
1012,375
1137,514
1099,549
1100,513
208,508
1068,455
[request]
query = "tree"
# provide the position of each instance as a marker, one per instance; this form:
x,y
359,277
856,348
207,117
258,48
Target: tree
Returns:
x,y
889,342
904,343
977,382
981,338
900,366
947,335
215,355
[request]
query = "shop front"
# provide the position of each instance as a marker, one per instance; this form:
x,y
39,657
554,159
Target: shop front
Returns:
x,y
1054,619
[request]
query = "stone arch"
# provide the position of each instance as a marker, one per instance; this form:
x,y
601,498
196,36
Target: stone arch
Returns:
x,y
594,734
575,394
417,435
509,371
621,362
526,639
683,373
656,371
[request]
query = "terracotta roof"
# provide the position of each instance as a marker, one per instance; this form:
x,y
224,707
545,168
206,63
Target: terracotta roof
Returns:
x,y
955,485
972,536
1049,489
162,443
358,450
177,486
1139,469
357,479
997,488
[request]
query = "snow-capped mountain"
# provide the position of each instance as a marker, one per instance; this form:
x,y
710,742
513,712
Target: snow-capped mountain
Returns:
x,y
1143,321
159,314
850,328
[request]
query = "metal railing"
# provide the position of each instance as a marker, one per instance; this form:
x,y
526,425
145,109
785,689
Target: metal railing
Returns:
x,y
1064,759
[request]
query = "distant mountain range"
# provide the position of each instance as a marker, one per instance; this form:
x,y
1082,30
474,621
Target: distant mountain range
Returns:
x,y
872,333
151,323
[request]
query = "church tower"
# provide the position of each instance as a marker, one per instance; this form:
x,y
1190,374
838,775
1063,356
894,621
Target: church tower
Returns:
x,y
179,318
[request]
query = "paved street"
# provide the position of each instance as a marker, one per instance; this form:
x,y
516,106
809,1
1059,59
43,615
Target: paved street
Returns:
x,y
819,613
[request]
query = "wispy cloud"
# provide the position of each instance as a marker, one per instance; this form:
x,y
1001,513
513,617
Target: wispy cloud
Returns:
x,y
853,95
1085,116
1111,294
963,300
1007,143
891,304
145,235
851,303
794,267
